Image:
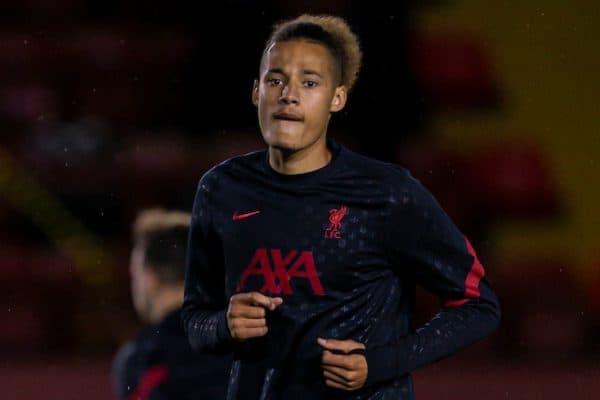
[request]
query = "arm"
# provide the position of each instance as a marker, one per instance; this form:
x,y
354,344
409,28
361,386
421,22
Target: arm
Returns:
x,y
204,306
428,248
210,319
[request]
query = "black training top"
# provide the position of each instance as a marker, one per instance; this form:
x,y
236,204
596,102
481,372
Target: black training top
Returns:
x,y
344,246
161,365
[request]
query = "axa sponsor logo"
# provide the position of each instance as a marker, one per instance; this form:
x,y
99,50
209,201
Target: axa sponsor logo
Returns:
x,y
278,271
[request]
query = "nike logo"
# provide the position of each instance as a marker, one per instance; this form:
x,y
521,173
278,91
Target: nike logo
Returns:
x,y
237,217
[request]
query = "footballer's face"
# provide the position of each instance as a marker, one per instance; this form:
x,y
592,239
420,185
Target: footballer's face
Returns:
x,y
296,93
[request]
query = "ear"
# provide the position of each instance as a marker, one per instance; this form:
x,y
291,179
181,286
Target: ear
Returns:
x,y
255,93
339,99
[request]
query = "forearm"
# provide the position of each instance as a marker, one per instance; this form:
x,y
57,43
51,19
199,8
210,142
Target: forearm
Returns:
x,y
451,330
206,330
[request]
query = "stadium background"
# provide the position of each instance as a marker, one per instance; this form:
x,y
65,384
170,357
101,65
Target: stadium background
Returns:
x,y
110,106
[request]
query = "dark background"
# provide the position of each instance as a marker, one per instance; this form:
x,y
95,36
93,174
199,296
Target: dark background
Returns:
x,y
108,107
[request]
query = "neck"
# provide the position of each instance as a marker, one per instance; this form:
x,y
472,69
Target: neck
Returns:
x,y
292,162
166,301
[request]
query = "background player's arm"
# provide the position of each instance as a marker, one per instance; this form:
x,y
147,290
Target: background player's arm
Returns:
x,y
428,248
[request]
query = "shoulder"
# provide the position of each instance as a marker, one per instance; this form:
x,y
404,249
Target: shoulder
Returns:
x,y
124,355
215,183
138,360
235,165
150,347
406,195
124,369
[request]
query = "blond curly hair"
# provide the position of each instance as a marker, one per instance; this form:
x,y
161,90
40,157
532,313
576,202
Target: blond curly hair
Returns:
x,y
332,32
153,220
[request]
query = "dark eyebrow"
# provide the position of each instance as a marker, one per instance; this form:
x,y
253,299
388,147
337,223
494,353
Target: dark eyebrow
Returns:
x,y
311,72
305,72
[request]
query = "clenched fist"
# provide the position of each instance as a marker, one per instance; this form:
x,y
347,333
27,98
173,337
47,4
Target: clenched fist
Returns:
x,y
246,315
344,364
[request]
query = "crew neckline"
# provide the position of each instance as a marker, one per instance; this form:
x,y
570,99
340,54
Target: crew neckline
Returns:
x,y
333,146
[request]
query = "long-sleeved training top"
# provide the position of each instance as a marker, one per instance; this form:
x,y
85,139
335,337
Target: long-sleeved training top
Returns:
x,y
344,246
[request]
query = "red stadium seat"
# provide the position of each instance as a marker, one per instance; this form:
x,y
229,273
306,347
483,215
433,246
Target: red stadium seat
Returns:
x,y
23,330
442,172
128,49
455,69
28,101
156,168
41,289
541,304
512,180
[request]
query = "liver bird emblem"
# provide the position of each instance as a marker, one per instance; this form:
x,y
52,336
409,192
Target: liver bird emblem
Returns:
x,y
335,221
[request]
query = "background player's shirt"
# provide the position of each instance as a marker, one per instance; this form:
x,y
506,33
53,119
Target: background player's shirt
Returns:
x,y
160,364
344,246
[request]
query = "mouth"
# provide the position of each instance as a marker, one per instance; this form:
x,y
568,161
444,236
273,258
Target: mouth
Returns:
x,y
288,116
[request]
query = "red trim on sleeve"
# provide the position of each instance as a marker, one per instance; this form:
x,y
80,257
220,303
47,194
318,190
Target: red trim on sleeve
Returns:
x,y
455,303
472,280
149,381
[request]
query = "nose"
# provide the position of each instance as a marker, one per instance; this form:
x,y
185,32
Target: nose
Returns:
x,y
289,94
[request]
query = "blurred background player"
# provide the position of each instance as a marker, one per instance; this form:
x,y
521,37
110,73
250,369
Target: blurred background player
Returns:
x,y
159,363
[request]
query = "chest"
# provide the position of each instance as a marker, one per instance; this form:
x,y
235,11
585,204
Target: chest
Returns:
x,y
301,245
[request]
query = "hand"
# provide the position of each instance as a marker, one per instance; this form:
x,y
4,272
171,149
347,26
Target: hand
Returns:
x,y
342,369
246,314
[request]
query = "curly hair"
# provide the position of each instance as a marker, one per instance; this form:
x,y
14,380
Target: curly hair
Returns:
x,y
330,31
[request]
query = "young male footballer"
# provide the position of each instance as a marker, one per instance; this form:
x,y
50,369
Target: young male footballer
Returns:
x,y
303,258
